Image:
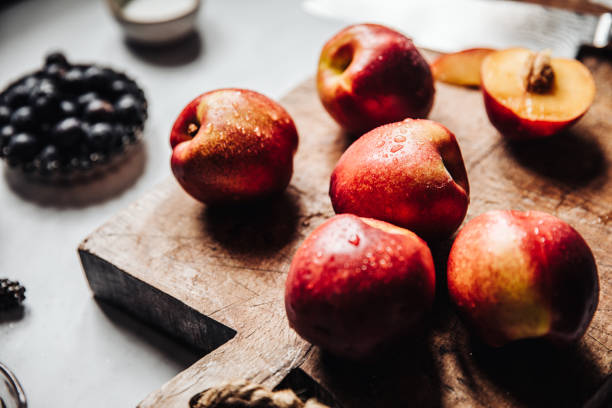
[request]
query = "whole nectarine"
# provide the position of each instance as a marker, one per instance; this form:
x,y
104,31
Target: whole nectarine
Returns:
x,y
516,275
369,75
357,284
232,145
408,173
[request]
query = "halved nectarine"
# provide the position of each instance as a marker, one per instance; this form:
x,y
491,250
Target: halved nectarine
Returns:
x,y
530,95
460,68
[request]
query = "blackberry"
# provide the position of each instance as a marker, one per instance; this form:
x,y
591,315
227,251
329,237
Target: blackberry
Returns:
x,y
68,133
67,108
99,110
49,153
55,71
120,87
48,159
56,57
17,96
45,87
73,80
12,294
46,106
5,115
6,132
128,109
84,99
22,147
30,82
96,78
101,137
23,118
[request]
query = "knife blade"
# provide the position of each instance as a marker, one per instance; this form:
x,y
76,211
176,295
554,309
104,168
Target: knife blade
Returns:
x,y
451,25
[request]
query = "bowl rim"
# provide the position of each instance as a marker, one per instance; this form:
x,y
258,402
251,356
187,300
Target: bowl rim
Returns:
x,y
15,386
117,11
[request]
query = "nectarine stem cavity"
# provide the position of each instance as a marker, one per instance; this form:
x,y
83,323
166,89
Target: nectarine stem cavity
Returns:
x,y
539,74
192,129
342,58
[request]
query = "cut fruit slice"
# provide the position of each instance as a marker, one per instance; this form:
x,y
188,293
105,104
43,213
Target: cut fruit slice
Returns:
x,y
460,68
522,114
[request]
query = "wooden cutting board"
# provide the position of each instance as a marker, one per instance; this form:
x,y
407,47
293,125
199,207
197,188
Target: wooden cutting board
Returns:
x,y
215,277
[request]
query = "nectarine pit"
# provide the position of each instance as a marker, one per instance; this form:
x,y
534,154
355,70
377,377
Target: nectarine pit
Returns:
x,y
539,75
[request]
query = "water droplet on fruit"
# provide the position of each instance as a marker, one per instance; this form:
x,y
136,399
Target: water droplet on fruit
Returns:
x,y
399,138
319,254
380,143
354,239
536,230
396,148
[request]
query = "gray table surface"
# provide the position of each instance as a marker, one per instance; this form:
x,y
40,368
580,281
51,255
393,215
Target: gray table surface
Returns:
x,y
66,349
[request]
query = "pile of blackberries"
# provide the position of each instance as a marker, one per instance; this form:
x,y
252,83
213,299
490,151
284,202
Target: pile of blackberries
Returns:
x,y
67,118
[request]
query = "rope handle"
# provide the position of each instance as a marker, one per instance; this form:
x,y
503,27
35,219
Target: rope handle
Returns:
x,y
242,394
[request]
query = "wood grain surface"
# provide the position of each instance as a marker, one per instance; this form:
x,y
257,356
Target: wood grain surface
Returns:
x,y
214,277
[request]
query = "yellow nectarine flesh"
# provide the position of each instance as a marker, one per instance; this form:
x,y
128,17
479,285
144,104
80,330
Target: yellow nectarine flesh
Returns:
x,y
460,68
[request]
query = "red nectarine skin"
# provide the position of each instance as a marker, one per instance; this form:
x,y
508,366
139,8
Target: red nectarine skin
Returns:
x,y
516,275
232,145
356,284
408,173
516,128
370,75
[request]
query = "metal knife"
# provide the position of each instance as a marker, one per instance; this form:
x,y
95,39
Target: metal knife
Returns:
x,y
452,25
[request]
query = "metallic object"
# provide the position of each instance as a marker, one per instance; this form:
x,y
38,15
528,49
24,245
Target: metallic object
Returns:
x,y
451,25
11,392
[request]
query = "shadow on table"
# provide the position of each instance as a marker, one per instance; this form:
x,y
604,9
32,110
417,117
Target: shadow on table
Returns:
x,y
534,373
254,229
177,53
573,158
80,194
180,353
12,315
